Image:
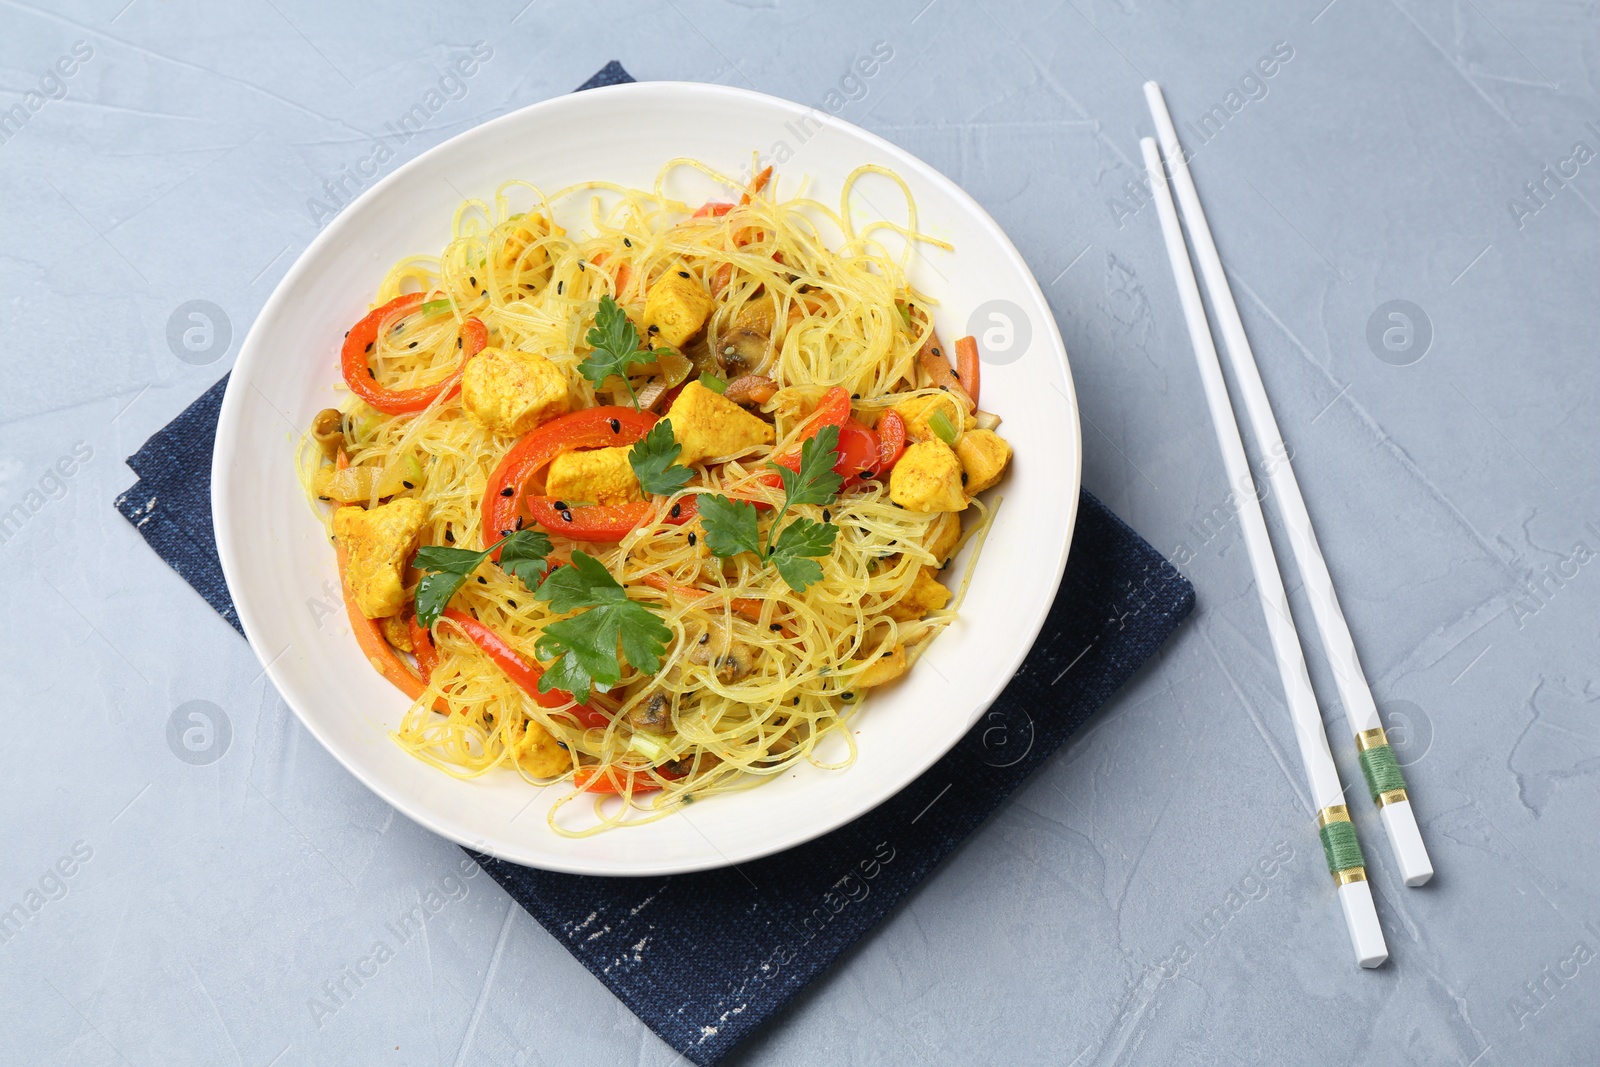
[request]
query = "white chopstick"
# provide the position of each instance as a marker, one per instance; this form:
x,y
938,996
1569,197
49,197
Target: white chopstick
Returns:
x,y
1333,820
1384,778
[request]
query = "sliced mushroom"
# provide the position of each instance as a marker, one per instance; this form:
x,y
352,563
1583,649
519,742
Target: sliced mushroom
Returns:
x,y
730,659
654,714
751,390
327,429
742,351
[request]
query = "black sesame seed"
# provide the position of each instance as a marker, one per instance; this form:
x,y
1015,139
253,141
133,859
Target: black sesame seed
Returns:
x,y
855,396
561,505
627,242
946,388
322,498
369,346
937,352
512,604
963,477
566,516
508,491
519,522
347,333
677,510
474,283
559,287
956,373
371,375
408,485
483,581
563,744
847,695
413,344
580,264
776,627
653,328
692,538
797,701
451,537
683,274
704,638
616,425
889,653
458,342
827,516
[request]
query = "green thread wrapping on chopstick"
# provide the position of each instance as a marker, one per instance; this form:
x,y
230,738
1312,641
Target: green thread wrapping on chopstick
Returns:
x,y
1382,770
1340,844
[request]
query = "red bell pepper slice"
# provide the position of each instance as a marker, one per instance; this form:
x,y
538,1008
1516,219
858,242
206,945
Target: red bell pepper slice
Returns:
x,y
712,209
832,410
519,670
358,373
422,648
589,428
968,367
609,780
603,523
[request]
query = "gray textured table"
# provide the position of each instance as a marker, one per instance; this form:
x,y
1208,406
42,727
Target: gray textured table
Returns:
x,y
1116,911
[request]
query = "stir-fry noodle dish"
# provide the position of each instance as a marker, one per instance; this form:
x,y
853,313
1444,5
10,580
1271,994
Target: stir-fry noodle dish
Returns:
x,y
648,509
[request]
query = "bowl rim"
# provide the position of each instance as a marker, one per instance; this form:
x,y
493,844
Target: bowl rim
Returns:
x,y
253,350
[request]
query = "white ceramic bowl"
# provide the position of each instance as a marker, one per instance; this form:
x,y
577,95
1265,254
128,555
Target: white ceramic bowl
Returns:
x,y
281,569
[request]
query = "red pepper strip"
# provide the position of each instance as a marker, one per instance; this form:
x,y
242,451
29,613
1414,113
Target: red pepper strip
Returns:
x,y
714,209
594,780
519,670
686,510
422,648
358,373
384,659
931,358
605,523
758,184
589,428
891,441
859,449
746,607
967,366
721,278
832,410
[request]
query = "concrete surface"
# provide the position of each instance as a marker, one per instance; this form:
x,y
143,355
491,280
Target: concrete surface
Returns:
x,y
1117,911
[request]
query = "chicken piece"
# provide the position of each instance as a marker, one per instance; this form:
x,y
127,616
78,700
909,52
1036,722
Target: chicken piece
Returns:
x,y
730,659
928,478
528,229
675,308
509,393
919,409
925,595
539,753
710,426
888,666
984,455
397,632
378,544
944,533
594,476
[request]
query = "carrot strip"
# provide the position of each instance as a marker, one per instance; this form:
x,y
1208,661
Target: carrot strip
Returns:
x,y
968,367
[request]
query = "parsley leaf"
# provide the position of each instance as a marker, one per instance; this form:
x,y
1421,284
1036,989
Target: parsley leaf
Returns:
x,y
799,540
616,347
815,482
652,460
585,647
730,525
522,555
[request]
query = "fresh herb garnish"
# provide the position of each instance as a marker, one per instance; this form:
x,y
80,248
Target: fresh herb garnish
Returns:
x,y
522,554
713,382
652,460
616,347
585,647
732,525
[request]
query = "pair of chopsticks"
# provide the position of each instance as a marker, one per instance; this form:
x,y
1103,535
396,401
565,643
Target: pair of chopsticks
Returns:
x,y
1378,764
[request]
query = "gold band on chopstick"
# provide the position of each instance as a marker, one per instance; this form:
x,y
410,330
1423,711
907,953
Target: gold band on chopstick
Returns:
x,y
1332,813
1373,738
1391,796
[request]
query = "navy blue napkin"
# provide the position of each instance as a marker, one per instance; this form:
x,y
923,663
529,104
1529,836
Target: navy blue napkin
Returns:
x,y
704,959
